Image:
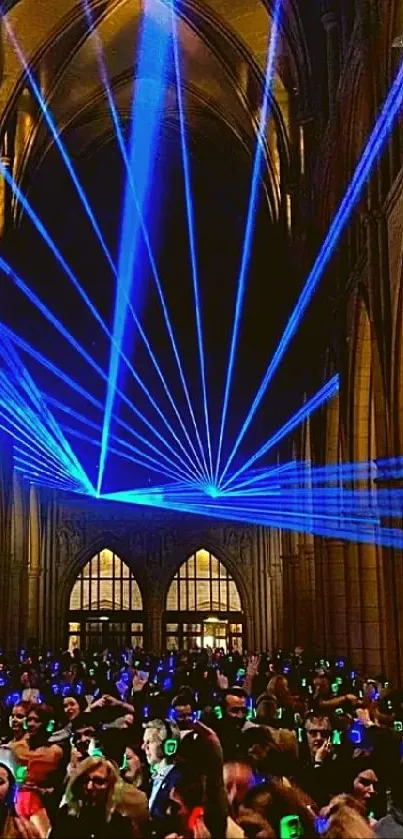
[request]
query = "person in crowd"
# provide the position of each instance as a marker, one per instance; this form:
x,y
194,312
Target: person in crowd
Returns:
x,y
17,722
281,806
8,821
320,769
37,796
160,743
132,770
238,779
347,823
234,723
89,811
365,784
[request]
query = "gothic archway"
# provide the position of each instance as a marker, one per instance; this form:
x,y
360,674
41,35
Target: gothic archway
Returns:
x,y
105,606
203,606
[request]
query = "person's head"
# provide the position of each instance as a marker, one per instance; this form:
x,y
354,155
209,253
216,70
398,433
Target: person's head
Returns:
x,y
94,784
274,801
278,687
39,721
83,732
347,823
131,772
235,705
73,706
184,798
183,708
238,779
7,786
266,709
321,686
365,781
318,729
25,680
160,741
18,717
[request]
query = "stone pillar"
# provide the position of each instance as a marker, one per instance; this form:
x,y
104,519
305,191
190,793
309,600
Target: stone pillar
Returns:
x,y
332,29
276,587
34,565
354,593
262,589
336,594
18,565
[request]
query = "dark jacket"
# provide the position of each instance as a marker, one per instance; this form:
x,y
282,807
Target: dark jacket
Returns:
x,y
160,821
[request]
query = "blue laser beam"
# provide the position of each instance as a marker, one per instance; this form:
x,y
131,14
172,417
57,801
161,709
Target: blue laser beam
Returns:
x,y
390,111
6,268
29,387
153,265
57,139
366,531
145,122
56,371
320,398
97,427
246,252
192,235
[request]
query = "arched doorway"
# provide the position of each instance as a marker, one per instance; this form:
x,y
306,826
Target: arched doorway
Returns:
x,y
106,606
203,606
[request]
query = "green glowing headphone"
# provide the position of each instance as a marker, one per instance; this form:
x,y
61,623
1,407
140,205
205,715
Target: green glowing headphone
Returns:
x,y
170,745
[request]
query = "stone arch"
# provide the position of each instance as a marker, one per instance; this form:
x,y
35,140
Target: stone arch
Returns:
x,y
105,540
227,563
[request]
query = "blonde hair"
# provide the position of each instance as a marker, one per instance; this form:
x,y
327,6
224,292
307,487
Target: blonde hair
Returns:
x,y
347,823
74,789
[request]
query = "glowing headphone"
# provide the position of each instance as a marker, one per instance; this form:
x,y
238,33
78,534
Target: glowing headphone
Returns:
x,y
170,745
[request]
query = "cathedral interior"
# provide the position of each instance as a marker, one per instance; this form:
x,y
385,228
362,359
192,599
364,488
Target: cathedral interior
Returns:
x,y
201,268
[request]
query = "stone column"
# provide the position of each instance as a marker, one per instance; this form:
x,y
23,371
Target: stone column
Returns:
x,y
276,571
18,567
332,29
335,557
34,565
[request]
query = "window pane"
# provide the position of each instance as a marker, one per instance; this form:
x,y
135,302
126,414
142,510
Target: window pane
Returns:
x,y
191,567
216,606
191,595
86,595
124,598
137,603
172,627
203,596
106,595
106,563
75,597
172,642
234,600
202,563
214,566
172,598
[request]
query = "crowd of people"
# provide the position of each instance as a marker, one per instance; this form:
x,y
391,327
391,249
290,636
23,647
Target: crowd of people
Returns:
x,y
198,743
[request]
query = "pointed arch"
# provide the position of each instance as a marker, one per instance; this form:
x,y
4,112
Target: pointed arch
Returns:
x,y
203,605
105,604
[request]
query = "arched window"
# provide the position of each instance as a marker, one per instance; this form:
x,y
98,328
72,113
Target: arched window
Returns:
x,y
203,606
106,607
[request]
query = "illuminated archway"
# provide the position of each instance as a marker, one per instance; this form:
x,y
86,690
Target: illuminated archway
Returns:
x,y
106,606
203,606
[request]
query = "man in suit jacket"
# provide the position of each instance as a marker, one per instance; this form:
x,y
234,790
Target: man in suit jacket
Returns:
x,y
160,743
